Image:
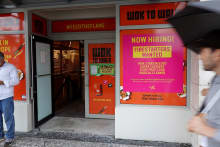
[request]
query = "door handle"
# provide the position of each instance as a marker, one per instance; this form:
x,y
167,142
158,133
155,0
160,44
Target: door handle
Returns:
x,y
43,75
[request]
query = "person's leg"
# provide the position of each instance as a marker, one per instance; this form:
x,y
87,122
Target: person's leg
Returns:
x,y
8,111
1,122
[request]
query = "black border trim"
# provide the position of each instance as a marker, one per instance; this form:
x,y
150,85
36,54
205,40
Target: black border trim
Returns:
x,y
43,40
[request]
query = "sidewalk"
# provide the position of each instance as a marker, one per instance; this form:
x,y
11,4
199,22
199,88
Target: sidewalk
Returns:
x,y
56,139
42,142
80,132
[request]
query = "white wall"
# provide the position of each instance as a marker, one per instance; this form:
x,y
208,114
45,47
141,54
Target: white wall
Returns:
x,y
152,123
23,117
194,90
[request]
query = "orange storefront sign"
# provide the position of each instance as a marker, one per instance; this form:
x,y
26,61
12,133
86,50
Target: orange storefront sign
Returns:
x,y
148,13
88,25
12,22
102,78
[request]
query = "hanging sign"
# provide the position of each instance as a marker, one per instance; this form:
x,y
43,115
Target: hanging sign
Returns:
x,y
12,22
148,13
102,78
13,47
39,25
152,67
88,25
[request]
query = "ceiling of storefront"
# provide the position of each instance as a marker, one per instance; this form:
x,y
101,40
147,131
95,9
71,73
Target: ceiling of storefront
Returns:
x,y
37,3
80,12
66,9
30,3
63,9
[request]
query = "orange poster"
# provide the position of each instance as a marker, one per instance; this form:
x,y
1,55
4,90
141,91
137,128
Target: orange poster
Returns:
x,y
13,47
151,51
102,78
144,14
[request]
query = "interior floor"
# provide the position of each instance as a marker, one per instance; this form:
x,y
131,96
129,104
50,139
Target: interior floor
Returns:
x,y
75,108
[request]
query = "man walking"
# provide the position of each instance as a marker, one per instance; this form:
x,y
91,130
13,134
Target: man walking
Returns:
x,y
209,125
8,79
198,25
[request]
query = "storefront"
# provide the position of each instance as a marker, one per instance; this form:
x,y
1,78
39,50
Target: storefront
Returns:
x,y
116,60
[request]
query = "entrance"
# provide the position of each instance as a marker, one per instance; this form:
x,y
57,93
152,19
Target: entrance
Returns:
x,y
58,79
73,96
70,107
68,78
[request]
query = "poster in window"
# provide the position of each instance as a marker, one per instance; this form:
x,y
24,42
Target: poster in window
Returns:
x,y
102,78
13,47
152,67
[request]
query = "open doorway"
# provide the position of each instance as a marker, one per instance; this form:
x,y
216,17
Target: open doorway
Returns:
x,y
67,66
68,78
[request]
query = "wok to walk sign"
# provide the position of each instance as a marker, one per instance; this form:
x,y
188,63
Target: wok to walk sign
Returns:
x,y
148,13
152,61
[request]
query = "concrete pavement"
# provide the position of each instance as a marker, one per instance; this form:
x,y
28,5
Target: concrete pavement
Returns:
x,y
80,132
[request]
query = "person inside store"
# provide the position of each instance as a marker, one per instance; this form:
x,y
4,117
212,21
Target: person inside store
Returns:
x,y
8,79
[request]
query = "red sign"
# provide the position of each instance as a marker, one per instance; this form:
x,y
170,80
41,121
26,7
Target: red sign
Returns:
x,y
13,47
148,13
39,25
102,78
89,25
12,22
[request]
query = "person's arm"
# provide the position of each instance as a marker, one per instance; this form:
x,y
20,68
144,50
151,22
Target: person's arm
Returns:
x,y
217,135
199,126
14,79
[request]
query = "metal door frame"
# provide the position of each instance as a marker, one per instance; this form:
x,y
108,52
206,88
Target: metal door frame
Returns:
x,y
43,40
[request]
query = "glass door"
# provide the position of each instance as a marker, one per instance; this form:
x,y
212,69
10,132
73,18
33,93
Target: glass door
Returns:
x,y
42,79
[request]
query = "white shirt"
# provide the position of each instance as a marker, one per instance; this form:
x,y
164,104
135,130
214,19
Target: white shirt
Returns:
x,y
9,76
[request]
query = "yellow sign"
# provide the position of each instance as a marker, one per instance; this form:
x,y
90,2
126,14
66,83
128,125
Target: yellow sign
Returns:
x,y
152,51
